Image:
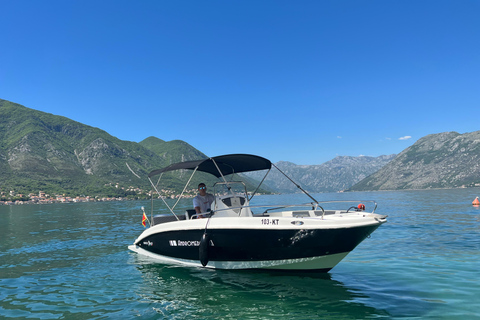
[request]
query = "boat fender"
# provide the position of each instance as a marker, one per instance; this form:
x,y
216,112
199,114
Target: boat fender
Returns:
x,y
203,249
476,202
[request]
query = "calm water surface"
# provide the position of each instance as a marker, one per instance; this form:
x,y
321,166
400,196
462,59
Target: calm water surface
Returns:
x,y
70,261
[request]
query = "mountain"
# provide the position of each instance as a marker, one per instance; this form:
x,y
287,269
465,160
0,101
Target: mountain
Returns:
x,y
442,160
41,151
335,175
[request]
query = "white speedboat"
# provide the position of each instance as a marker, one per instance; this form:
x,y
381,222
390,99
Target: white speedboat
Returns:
x,y
237,235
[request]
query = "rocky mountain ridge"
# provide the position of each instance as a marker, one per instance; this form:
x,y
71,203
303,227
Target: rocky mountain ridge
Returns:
x,y
443,160
41,151
335,175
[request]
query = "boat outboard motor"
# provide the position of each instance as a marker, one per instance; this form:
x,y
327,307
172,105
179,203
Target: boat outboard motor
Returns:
x,y
203,249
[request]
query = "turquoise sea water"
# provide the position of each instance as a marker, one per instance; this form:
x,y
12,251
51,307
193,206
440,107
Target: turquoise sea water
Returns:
x,y
70,261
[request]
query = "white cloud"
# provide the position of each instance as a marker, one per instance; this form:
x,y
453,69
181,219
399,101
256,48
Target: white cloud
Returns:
x,y
338,137
388,138
405,138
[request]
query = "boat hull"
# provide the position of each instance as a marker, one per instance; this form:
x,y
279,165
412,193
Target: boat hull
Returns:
x,y
237,248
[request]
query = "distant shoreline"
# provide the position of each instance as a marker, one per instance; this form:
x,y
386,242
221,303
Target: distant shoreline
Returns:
x,y
52,201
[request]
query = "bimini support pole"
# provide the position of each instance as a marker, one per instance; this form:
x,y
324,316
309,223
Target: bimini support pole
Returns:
x,y
161,197
184,188
318,205
258,187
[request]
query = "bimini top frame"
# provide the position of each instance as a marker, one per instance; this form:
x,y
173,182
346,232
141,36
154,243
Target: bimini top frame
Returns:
x,y
220,167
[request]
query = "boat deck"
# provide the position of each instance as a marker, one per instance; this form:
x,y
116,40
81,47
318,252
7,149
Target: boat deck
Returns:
x,y
164,218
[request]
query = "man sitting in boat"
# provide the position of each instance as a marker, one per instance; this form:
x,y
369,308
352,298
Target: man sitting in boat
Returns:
x,y
203,201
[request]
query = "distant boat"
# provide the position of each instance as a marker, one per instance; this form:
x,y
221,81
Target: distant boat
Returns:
x,y
237,235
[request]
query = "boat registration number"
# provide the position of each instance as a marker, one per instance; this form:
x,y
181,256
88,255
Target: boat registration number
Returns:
x,y
273,222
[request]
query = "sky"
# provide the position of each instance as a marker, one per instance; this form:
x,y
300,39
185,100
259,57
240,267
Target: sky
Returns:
x,y
298,81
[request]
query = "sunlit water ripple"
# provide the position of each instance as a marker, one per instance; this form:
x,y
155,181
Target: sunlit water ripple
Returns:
x,y
71,261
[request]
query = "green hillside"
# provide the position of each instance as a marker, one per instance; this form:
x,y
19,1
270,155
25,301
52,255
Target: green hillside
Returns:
x,y
41,151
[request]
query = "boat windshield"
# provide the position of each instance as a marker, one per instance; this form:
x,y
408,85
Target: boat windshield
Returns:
x,y
230,188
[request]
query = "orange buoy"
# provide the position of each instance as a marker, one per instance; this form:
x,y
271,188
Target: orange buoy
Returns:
x,y
476,202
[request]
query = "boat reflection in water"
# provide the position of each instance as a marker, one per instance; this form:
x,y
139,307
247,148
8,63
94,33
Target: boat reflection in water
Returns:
x,y
251,294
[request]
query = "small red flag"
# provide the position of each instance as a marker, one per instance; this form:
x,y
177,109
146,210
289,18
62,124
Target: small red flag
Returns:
x,y
144,218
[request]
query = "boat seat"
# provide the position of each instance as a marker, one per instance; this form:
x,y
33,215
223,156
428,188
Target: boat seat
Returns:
x,y
189,213
327,212
163,218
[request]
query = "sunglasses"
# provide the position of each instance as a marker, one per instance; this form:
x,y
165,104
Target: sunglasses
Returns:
x,y
202,188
